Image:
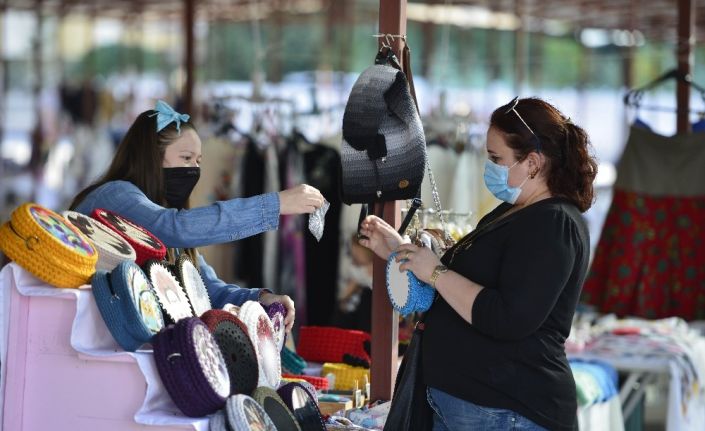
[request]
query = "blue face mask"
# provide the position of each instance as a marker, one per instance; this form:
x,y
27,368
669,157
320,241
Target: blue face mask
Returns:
x,y
497,182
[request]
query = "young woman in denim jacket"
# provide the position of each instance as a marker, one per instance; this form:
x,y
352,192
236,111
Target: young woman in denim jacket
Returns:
x,y
493,347
149,181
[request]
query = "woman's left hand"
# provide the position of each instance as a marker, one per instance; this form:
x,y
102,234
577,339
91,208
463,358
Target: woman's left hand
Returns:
x,y
267,298
419,260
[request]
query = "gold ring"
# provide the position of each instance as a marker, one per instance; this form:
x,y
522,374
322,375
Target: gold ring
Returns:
x,y
408,253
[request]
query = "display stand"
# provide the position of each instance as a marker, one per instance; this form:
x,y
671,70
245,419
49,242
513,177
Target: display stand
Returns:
x,y
49,385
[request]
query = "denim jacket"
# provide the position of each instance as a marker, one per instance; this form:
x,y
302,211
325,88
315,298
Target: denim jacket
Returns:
x,y
217,223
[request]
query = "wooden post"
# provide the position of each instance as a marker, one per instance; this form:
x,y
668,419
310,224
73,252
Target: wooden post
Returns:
x,y
686,24
189,18
385,326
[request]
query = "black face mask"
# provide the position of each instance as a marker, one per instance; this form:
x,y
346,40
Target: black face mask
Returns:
x,y
179,183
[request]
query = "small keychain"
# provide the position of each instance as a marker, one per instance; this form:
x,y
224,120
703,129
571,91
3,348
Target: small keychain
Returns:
x,y
317,220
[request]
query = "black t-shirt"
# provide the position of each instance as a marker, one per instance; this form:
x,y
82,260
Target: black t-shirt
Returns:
x,y
532,264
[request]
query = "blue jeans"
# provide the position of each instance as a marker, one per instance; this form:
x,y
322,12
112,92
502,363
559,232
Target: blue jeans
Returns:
x,y
455,414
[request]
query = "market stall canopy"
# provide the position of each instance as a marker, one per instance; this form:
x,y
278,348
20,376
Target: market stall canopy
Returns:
x,y
653,19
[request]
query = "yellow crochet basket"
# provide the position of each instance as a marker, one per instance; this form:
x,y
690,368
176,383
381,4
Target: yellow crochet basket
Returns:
x,y
345,375
47,245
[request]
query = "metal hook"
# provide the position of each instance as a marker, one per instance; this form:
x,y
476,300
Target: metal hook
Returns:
x,y
387,37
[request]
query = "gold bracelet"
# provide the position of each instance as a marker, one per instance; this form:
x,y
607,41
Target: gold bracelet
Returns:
x,y
437,271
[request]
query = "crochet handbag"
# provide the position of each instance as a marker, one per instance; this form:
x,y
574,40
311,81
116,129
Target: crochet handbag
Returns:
x,y
126,301
277,313
112,249
275,408
383,153
190,278
191,367
146,245
242,412
237,349
261,332
407,293
170,294
301,400
47,245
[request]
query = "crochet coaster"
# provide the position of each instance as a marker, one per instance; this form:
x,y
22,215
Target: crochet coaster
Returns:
x,y
48,246
127,304
243,413
406,292
275,408
291,362
171,296
329,344
261,332
302,403
191,367
112,249
190,278
146,245
277,313
237,349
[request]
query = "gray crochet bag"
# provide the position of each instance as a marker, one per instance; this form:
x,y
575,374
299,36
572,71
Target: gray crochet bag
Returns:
x,y
384,149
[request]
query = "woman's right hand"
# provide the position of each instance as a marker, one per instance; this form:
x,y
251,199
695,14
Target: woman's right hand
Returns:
x,y
382,239
302,199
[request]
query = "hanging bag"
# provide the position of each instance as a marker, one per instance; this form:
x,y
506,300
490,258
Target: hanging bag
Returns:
x,y
384,149
410,410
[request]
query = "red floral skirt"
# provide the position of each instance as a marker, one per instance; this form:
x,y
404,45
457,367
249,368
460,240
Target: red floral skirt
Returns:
x,y
650,260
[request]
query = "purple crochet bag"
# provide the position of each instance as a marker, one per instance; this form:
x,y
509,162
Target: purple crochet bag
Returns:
x,y
191,367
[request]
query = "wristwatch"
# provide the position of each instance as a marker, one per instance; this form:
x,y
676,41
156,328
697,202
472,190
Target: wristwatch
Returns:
x,y
437,271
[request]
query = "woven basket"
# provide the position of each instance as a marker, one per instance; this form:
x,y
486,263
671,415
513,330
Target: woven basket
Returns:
x,y
329,344
346,375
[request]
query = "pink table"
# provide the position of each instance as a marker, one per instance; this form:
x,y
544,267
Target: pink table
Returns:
x,y
50,386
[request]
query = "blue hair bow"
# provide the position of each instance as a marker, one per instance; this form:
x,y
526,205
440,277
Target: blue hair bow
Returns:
x,y
166,115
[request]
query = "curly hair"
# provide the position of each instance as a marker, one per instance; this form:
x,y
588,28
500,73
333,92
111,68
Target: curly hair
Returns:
x,y
570,167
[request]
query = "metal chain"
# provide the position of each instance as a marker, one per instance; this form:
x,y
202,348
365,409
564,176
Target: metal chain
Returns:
x,y
437,201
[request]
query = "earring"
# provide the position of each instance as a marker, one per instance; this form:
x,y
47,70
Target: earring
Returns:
x,y
533,174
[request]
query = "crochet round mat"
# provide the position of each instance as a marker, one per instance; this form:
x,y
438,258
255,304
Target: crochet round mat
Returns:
x,y
112,249
261,332
193,284
146,245
47,245
170,294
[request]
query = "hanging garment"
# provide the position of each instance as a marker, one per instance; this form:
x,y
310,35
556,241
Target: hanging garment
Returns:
x,y
250,253
650,260
292,228
322,170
